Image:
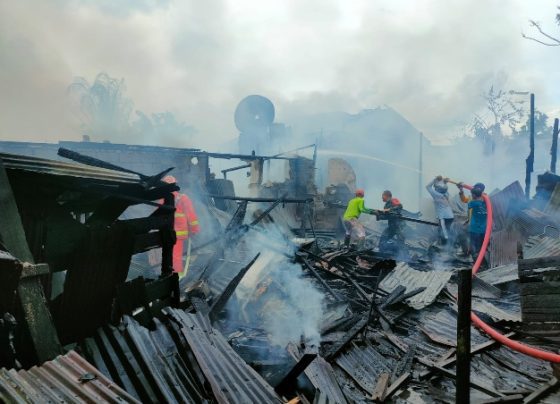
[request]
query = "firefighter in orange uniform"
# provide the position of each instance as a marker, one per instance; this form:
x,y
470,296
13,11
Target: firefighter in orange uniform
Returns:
x,y
186,224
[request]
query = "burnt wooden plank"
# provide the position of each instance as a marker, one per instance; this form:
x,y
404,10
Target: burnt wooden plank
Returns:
x,y
288,383
99,264
221,301
541,391
147,241
540,301
540,288
474,350
32,301
10,273
396,384
381,387
513,398
338,346
540,262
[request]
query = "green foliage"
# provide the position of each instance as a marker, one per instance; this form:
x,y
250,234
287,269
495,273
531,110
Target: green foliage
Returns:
x,y
104,111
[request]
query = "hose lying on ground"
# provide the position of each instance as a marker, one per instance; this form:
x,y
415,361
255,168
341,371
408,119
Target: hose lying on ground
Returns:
x,y
497,336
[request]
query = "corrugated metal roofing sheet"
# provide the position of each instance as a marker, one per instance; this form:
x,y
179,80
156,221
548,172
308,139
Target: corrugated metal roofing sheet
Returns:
x,y
499,275
68,378
365,364
553,206
153,366
433,281
541,246
533,222
503,247
53,167
231,379
321,375
502,199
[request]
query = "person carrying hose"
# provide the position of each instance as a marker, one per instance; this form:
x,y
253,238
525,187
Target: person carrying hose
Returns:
x,y
356,206
438,190
477,217
391,212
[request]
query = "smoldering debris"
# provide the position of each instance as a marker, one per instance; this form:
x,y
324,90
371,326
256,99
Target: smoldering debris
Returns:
x,y
274,307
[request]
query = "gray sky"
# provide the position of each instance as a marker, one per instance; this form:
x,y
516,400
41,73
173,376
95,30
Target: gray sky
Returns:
x,y
430,60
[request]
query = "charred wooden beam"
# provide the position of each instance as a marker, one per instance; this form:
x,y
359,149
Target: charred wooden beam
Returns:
x,y
228,170
476,349
338,346
288,383
381,387
242,198
320,279
94,162
554,147
37,320
529,162
462,395
396,384
541,391
268,210
221,301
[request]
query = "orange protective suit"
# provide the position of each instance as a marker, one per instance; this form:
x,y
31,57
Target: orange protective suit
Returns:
x,y
186,224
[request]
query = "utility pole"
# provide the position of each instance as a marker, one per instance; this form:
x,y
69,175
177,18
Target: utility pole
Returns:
x,y
420,169
554,148
531,158
462,383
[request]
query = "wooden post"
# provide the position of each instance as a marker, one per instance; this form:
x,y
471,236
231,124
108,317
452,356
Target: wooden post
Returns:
x,y
464,337
168,240
38,342
531,158
554,148
420,169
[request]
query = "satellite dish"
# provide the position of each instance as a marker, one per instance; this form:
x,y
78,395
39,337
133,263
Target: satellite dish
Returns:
x,y
254,113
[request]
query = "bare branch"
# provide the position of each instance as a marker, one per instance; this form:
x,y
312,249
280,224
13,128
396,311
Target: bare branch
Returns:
x,y
538,27
539,41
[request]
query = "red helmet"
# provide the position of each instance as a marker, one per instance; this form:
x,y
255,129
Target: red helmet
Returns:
x,y
169,179
360,192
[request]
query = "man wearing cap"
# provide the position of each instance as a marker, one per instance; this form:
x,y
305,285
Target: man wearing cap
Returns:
x,y
477,216
390,212
438,190
355,208
186,224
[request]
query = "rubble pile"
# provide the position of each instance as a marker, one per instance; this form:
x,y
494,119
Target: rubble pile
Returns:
x,y
273,307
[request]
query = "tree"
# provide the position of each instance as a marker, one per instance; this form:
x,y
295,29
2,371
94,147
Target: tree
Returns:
x,y
161,126
542,129
103,108
504,110
104,111
547,39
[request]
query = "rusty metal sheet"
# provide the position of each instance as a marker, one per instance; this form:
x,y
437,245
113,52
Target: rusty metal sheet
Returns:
x,y
433,281
67,378
231,379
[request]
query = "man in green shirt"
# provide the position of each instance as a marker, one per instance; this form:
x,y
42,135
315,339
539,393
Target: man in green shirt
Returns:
x,y
354,209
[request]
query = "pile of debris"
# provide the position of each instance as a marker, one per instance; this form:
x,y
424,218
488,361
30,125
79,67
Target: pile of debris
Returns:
x,y
266,313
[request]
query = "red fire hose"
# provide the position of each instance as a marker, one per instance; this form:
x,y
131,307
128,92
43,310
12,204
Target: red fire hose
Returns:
x,y
516,346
